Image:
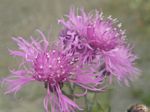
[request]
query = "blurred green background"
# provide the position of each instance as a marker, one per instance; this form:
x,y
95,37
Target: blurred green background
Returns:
x,y
22,17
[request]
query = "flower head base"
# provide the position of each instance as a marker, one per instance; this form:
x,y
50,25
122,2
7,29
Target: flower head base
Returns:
x,y
53,68
96,39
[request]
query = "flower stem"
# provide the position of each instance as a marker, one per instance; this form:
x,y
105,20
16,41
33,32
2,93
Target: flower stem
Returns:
x,y
86,103
72,88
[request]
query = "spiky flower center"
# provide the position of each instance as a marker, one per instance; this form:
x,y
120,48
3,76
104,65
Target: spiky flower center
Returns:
x,y
51,67
104,40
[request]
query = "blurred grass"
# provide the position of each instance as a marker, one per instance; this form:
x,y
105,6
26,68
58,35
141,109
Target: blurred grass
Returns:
x,y
22,17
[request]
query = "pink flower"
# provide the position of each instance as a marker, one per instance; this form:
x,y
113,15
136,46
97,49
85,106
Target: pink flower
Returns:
x,y
53,68
98,40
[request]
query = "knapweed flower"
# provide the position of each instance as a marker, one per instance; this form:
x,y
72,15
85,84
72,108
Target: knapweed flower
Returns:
x,y
51,67
98,40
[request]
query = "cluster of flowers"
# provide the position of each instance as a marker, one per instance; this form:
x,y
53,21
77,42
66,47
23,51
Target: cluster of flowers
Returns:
x,y
89,49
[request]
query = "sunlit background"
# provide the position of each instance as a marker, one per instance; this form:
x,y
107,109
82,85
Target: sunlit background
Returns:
x,y
22,17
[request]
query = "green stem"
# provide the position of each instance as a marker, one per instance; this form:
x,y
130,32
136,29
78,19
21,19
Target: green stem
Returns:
x,y
86,103
72,88
92,103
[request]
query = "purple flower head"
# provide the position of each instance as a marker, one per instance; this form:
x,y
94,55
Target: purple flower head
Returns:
x,y
53,68
100,40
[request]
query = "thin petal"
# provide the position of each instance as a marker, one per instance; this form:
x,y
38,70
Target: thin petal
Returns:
x,y
15,83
